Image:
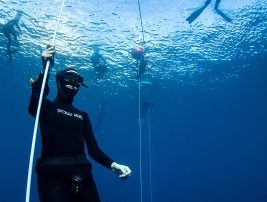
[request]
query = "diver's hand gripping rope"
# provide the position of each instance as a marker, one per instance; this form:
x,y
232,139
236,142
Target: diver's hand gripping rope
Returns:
x,y
28,189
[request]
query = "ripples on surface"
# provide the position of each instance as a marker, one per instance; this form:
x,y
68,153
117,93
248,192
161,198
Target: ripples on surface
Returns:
x,y
176,50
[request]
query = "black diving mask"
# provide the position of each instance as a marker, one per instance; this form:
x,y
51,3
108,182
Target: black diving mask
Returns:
x,y
73,77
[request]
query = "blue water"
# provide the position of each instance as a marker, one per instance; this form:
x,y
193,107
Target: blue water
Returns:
x,y
209,120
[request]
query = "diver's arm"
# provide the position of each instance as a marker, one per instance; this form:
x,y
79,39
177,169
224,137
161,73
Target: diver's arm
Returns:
x,y
47,55
122,171
36,89
94,151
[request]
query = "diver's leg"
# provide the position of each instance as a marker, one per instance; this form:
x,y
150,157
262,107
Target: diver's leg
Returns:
x,y
225,17
207,3
195,14
54,190
88,192
217,4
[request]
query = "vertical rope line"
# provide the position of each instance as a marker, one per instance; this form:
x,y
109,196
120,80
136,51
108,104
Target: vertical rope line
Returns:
x,y
149,150
28,188
139,104
141,19
140,127
140,142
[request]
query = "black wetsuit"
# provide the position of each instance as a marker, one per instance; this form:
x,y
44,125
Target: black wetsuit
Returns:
x,y
64,132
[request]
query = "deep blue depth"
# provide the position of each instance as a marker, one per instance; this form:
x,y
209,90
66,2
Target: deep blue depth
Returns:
x,y
207,145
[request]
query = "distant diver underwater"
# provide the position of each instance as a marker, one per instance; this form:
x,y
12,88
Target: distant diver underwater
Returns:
x,y
99,118
146,107
195,14
99,65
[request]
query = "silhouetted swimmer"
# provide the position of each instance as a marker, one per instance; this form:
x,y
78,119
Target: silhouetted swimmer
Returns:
x,y
99,118
195,14
141,67
99,64
146,107
11,31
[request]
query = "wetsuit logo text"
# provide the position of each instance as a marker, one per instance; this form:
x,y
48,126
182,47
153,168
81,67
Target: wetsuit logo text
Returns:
x,y
61,111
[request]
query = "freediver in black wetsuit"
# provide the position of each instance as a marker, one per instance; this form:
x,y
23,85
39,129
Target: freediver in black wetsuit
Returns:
x,y
63,172
11,31
195,14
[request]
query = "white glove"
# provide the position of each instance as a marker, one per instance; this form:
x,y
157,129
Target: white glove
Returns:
x,y
48,55
48,52
121,171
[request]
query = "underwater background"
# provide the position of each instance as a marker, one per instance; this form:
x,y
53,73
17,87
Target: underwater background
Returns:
x,y
206,133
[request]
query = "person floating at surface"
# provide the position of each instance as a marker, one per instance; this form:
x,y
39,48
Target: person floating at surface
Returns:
x,y
195,14
63,171
141,63
11,31
99,64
